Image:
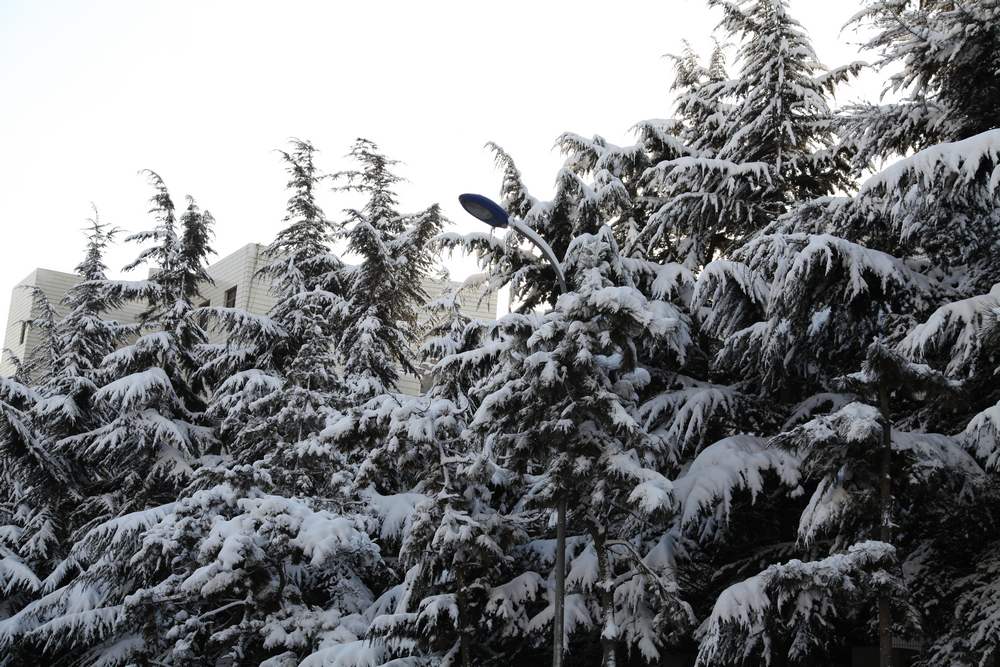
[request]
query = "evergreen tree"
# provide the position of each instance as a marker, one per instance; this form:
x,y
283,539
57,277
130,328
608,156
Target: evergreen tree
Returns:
x,y
28,475
460,601
386,289
277,374
947,77
146,431
796,306
44,500
781,117
559,408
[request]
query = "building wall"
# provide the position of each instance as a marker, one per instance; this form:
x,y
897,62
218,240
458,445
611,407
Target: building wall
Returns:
x,y
54,284
238,269
20,310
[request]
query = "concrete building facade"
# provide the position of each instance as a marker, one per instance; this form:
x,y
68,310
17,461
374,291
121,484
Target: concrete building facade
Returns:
x,y
236,285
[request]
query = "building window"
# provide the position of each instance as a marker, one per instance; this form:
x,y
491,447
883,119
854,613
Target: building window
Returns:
x,y
24,332
231,297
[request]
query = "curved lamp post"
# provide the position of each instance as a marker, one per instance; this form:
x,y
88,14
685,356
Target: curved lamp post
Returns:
x,y
494,215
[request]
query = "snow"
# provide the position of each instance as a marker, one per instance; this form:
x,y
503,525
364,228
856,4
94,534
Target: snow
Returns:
x,y
682,416
858,261
359,653
396,512
802,587
136,390
112,532
933,452
983,436
717,272
961,158
823,401
828,503
818,321
956,328
708,484
323,536
583,572
15,575
652,492
507,601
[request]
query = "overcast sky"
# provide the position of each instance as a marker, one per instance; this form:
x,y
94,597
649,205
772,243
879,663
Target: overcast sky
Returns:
x,y
202,92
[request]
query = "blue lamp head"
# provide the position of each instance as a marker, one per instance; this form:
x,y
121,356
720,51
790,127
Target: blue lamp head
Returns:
x,y
484,209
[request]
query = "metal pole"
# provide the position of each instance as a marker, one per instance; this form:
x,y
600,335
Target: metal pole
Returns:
x,y
539,242
885,527
560,592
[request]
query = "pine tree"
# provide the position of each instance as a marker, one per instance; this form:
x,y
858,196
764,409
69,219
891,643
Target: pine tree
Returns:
x,y
460,600
785,611
386,289
799,302
782,118
755,145
276,376
28,474
76,344
44,500
560,408
146,430
947,58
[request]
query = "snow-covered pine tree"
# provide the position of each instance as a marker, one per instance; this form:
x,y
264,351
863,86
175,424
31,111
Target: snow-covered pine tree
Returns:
x,y
755,144
276,375
704,94
680,407
957,572
781,116
791,308
28,477
784,614
386,292
147,430
870,481
559,409
74,344
461,600
382,322
227,573
947,54
41,490
863,289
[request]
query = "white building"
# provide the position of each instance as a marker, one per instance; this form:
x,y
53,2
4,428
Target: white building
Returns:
x,y
236,285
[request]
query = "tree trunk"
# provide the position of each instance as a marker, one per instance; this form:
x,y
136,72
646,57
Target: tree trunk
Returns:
x,y
885,529
609,642
462,598
560,601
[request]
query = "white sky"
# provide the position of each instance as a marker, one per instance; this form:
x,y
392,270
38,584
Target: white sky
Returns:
x,y
201,92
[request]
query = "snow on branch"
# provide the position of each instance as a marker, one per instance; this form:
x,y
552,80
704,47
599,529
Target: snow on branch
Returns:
x,y
708,485
983,436
683,416
965,159
793,601
137,390
954,330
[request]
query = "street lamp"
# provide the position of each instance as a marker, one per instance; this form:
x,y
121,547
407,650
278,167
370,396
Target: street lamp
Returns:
x,y
494,215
